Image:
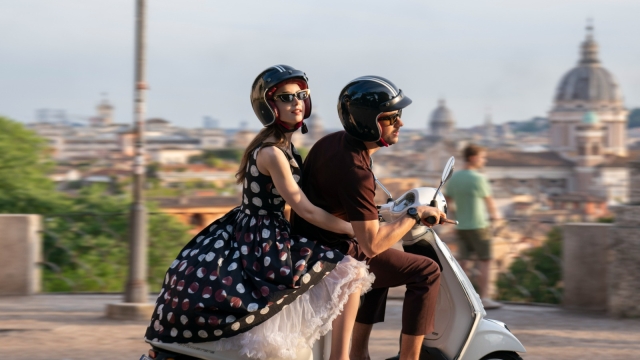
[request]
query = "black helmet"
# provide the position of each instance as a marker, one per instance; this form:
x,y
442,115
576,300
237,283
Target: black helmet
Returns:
x,y
362,100
262,103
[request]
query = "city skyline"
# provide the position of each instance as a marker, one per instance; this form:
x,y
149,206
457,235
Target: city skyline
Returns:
x,y
202,57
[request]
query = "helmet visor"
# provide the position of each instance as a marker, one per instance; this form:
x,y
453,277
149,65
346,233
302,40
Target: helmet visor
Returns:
x,y
399,102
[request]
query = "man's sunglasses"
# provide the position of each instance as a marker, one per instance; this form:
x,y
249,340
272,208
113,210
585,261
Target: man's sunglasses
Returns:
x,y
391,119
288,97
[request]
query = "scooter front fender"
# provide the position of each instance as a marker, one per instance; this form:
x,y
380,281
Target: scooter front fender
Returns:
x,y
491,336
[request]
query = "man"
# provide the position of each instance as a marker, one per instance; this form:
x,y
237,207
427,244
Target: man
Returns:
x,y
471,194
337,177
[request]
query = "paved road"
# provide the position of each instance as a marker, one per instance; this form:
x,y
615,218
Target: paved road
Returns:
x,y
73,327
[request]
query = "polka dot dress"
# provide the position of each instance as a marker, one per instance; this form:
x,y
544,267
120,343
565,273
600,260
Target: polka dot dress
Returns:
x,y
240,270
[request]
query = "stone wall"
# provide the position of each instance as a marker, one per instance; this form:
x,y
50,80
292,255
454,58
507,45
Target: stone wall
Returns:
x,y
624,263
634,183
585,263
20,241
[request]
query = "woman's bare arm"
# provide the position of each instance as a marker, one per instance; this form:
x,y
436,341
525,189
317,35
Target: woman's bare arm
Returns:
x,y
273,162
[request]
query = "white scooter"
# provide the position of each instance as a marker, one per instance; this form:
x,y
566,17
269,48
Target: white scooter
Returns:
x,y
461,332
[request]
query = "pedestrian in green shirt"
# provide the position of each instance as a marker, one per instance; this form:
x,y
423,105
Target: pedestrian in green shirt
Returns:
x,y
475,209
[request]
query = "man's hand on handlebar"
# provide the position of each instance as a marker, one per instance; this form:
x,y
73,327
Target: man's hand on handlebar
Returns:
x,y
431,215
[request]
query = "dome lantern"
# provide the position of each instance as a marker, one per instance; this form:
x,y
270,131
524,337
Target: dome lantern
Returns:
x,y
589,49
589,81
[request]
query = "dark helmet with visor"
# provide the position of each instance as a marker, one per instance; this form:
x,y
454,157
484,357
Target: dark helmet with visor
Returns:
x,y
362,100
265,85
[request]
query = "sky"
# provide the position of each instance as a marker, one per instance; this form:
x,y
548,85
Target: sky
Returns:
x,y
505,57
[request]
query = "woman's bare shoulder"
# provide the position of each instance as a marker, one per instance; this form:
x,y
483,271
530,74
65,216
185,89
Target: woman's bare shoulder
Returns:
x,y
271,153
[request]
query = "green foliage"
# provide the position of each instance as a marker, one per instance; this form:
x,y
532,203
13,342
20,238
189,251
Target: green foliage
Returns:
x,y
606,220
159,191
634,118
87,248
213,162
231,154
535,276
303,151
85,237
152,170
24,185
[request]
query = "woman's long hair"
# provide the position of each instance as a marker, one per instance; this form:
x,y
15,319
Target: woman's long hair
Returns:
x,y
272,130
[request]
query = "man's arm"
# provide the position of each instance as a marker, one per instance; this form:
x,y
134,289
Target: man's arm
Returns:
x,y
491,208
375,239
485,193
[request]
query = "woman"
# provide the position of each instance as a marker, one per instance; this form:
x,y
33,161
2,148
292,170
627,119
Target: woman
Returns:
x,y
245,282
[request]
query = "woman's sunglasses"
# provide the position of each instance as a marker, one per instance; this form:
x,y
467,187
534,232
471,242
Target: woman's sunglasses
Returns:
x,y
288,97
390,119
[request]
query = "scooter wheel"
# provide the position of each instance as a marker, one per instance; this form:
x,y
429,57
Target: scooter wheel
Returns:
x,y
502,355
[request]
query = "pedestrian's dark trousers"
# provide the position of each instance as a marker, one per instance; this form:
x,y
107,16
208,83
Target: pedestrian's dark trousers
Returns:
x,y
392,268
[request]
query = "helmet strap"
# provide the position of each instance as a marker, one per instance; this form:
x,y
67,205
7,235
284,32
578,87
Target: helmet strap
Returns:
x,y
382,143
287,129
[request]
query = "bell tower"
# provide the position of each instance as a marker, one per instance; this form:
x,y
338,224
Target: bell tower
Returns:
x,y
590,134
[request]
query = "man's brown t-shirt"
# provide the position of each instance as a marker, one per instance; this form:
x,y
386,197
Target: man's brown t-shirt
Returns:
x,y
337,177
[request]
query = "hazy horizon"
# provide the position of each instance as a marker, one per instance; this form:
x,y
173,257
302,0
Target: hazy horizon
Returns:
x,y
203,56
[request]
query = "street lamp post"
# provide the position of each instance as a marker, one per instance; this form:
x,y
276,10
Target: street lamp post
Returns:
x,y
136,305
137,289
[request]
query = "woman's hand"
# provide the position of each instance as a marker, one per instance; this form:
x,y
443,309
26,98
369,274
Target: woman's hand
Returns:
x,y
348,229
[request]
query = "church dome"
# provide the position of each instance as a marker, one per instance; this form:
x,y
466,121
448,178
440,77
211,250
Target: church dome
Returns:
x,y
589,81
442,114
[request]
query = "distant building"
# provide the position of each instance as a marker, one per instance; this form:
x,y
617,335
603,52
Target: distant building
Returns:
x,y
211,138
105,114
588,87
172,156
315,129
489,134
175,174
587,156
197,212
441,122
242,138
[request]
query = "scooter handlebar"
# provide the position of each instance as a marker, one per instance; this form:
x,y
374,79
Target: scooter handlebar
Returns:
x,y
431,220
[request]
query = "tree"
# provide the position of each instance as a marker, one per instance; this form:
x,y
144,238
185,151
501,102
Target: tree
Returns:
x,y
24,164
86,248
634,118
535,276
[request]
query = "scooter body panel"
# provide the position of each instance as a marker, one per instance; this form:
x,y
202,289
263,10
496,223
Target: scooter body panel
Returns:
x,y
460,330
455,315
491,336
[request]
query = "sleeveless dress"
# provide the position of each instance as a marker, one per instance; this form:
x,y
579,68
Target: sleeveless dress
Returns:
x,y
246,283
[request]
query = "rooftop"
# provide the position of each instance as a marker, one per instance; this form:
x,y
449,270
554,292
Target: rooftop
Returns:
x,y
500,158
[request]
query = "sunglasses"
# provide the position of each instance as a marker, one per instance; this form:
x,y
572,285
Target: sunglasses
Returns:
x,y
288,97
391,119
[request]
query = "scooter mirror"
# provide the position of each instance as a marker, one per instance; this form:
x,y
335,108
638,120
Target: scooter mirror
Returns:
x,y
448,169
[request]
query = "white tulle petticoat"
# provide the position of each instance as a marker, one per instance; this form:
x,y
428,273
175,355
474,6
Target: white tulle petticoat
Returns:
x,y
307,318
